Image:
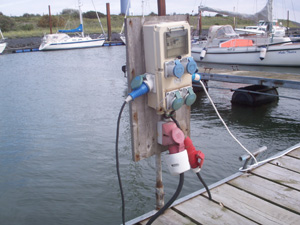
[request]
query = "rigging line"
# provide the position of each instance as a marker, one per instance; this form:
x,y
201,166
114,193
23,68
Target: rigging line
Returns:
x,y
195,5
67,21
98,18
284,6
293,10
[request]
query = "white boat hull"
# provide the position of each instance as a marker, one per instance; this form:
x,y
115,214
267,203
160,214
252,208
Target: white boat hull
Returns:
x,y
276,55
76,44
2,47
123,38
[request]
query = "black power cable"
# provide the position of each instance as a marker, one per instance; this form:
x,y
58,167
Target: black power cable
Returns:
x,y
174,120
178,190
170,202
204,184
117,163
179,187
198,174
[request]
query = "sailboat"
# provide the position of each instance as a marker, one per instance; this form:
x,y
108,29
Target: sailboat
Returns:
x,y
261,28
62,41
225,46
2,43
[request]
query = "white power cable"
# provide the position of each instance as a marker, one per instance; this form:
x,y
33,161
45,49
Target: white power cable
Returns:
x,y
256,163
218,114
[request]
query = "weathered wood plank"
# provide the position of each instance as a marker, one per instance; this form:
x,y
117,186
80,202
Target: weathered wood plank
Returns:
x,y
205,211
269,191
170,217
143,118
295,153
279,175
270,195
253,207
288,162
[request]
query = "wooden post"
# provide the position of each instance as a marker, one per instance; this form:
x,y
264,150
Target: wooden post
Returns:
x,y
161,4
143,119
50,19
200,22
108,21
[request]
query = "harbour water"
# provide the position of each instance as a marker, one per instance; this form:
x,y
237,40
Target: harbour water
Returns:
x,y
58,117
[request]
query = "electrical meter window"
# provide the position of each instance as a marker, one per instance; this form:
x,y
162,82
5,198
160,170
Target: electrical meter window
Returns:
x,y
176,43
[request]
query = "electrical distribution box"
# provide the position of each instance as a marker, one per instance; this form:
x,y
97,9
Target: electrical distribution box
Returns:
x,y
168,57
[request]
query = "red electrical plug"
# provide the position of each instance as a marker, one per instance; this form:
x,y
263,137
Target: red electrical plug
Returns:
x,y
173,137
194,155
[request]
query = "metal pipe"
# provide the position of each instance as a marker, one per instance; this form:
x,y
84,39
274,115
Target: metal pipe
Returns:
x,y
254,92
247,157
159,184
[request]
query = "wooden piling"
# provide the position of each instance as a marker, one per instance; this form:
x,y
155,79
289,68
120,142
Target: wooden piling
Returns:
x,y
108,21
161,5
143,119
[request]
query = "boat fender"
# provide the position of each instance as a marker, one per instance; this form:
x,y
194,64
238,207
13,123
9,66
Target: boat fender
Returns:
x,y
263,52
203,53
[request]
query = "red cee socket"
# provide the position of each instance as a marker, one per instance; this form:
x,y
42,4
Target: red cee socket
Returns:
x,y
173,137
193,154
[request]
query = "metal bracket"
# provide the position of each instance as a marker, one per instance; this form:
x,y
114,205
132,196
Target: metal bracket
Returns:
x,y
247,157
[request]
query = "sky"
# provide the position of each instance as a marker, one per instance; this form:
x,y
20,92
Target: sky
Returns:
x,y
280,7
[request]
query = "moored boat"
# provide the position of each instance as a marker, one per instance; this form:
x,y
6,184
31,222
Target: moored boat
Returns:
x,y
62,41
226,47
262,28
2,43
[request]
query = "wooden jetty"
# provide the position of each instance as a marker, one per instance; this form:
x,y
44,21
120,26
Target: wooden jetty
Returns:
x,y
237,203
269,194
285,80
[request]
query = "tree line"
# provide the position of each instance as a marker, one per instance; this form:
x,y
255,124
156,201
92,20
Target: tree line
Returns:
x,y
11,23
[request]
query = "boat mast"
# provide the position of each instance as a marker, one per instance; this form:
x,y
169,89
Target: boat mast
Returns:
x,y
270,19
1,34
50,19
143,8
80,16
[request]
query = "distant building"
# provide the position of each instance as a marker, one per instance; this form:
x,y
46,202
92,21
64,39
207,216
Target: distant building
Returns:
x,y
124,4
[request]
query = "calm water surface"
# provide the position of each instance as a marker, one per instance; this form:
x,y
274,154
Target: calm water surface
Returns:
x,y
58,113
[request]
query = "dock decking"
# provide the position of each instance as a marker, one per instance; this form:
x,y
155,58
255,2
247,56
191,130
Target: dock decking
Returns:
x,y
269,194
251,77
